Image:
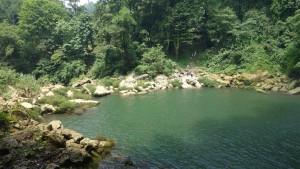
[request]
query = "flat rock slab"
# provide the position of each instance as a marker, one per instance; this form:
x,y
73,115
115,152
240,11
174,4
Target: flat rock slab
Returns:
x,y
295,91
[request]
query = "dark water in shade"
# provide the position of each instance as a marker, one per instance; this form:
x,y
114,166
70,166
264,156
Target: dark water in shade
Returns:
x,y
205,128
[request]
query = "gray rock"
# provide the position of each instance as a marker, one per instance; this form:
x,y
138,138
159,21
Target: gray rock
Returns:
x,y
56,139
74,156
295,91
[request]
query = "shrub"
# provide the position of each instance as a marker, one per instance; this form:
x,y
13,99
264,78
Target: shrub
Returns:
x,y
4,121
7,77
62,104
34,113
154,62
107,81
91,87
28,85
208,82
77,94
176,83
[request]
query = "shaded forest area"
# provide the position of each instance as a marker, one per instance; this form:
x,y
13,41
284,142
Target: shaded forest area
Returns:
x,y
57,40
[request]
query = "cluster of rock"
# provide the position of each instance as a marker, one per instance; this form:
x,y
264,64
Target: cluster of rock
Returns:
x,y
261,81
50,146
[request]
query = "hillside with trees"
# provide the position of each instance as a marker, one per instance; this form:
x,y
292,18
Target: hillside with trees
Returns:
x,y
59,40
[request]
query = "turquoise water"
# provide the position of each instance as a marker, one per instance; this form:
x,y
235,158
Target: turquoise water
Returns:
x,y
205,128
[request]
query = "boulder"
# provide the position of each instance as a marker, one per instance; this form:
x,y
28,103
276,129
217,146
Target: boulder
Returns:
x,y
161,81
56,139
27,105
142,77
50,93
88,142
293,85
129,82
105,144
101,91
275,89
260,91
70,134
57,86
55,125
45,89
70,93
80,101
71,144
47,108
74,156
295,91
266,87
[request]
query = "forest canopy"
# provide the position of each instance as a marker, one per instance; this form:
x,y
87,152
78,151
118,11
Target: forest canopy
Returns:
x,y
59,40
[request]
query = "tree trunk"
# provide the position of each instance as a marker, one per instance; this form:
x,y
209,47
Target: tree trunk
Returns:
x,y
177,45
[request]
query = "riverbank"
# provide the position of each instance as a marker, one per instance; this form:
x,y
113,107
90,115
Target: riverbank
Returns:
x,y
28,131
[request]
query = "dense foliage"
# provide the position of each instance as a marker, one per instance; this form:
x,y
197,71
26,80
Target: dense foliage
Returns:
x,y
59,40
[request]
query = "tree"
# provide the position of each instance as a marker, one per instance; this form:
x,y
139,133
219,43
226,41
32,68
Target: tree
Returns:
x,y
282,9
37,21
183,24
10,44
9,10
291,55
115,29
221,27
38,18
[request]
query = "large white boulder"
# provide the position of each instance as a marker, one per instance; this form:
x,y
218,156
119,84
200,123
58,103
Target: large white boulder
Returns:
x,y
27,105
295,91
101,91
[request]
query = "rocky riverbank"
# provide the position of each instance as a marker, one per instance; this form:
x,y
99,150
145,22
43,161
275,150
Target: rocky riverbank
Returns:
x,y
32,143
189,78
40,145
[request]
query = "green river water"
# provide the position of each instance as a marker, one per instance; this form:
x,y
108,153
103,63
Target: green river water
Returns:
x,y
207,128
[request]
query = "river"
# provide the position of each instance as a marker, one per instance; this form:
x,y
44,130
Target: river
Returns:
x,y
206,128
